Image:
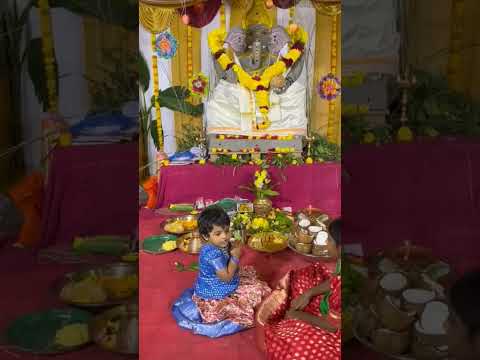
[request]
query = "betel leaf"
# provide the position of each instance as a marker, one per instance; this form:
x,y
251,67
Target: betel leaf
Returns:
x,y
143,73
36,71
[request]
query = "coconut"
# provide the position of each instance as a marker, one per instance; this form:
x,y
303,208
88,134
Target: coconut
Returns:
x,y
387,266
391,316
428,352
430,329
393,283
415,299
391,342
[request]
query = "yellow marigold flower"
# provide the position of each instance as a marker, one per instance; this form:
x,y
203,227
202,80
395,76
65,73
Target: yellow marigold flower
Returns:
x,y
202,161
404,134
221,137
234,157
369,138
309,161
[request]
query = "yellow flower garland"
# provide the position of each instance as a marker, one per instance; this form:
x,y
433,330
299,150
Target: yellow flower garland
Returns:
x,y
258,84
48,54
156,92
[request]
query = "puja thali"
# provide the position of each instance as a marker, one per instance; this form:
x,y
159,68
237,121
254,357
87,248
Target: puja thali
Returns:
x,y
180,225
100,286
269,242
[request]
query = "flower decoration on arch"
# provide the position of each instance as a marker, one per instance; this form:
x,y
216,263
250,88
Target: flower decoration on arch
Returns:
x,y
198,85
165,45
329,87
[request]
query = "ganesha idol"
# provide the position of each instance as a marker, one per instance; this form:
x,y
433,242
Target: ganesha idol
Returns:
x,y
259,91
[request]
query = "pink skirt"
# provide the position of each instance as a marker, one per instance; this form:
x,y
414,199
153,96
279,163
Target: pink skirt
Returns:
x,y
239,307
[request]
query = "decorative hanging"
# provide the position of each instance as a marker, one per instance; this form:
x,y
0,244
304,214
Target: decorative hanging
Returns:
x,y
329,87
333,126
48,55
155,19
156,92
198,85
201,14
284,4
223,20
165,45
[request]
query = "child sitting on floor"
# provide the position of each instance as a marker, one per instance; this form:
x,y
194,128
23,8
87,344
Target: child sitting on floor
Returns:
x,y
225,296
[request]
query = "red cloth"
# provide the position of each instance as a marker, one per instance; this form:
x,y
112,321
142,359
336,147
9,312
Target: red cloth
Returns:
x,y
299,186
297,340
91,190
161,284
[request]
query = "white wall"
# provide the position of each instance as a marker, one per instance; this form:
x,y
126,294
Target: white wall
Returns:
x,y
67,29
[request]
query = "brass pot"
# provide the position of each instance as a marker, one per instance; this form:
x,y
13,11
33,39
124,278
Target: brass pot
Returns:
x,y
262,206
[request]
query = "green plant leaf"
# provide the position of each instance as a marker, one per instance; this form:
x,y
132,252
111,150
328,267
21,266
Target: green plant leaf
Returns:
x,y
36,71
269,192
174,98
143,73
154,134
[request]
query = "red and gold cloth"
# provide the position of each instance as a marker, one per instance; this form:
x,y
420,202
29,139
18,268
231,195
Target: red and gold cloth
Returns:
x,y
297,340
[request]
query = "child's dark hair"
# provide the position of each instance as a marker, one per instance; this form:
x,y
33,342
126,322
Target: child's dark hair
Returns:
x,y
465,298
212,215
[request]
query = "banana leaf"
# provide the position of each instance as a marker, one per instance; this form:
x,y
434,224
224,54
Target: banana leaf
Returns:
x,y
154,134
174,98
143,73
36,71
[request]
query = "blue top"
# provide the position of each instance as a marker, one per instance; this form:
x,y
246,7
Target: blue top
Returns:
x,y
208,285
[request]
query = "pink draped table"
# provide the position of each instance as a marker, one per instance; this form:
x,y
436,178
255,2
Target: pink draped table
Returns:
x,y
318,185
91,190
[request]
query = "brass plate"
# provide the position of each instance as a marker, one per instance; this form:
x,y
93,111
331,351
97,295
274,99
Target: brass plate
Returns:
x,y
111,270
264,242
181,219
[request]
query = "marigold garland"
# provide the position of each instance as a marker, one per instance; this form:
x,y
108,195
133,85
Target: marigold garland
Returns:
x,y
48,54
156,92
259,84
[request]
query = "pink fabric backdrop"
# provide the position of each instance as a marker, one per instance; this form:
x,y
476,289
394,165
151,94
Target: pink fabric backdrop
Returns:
x,y
92,190
428,193
161,284
318,185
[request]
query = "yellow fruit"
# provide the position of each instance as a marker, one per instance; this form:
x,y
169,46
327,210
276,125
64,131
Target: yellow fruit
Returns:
x,y
72,335
369,138
169,245
404,134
